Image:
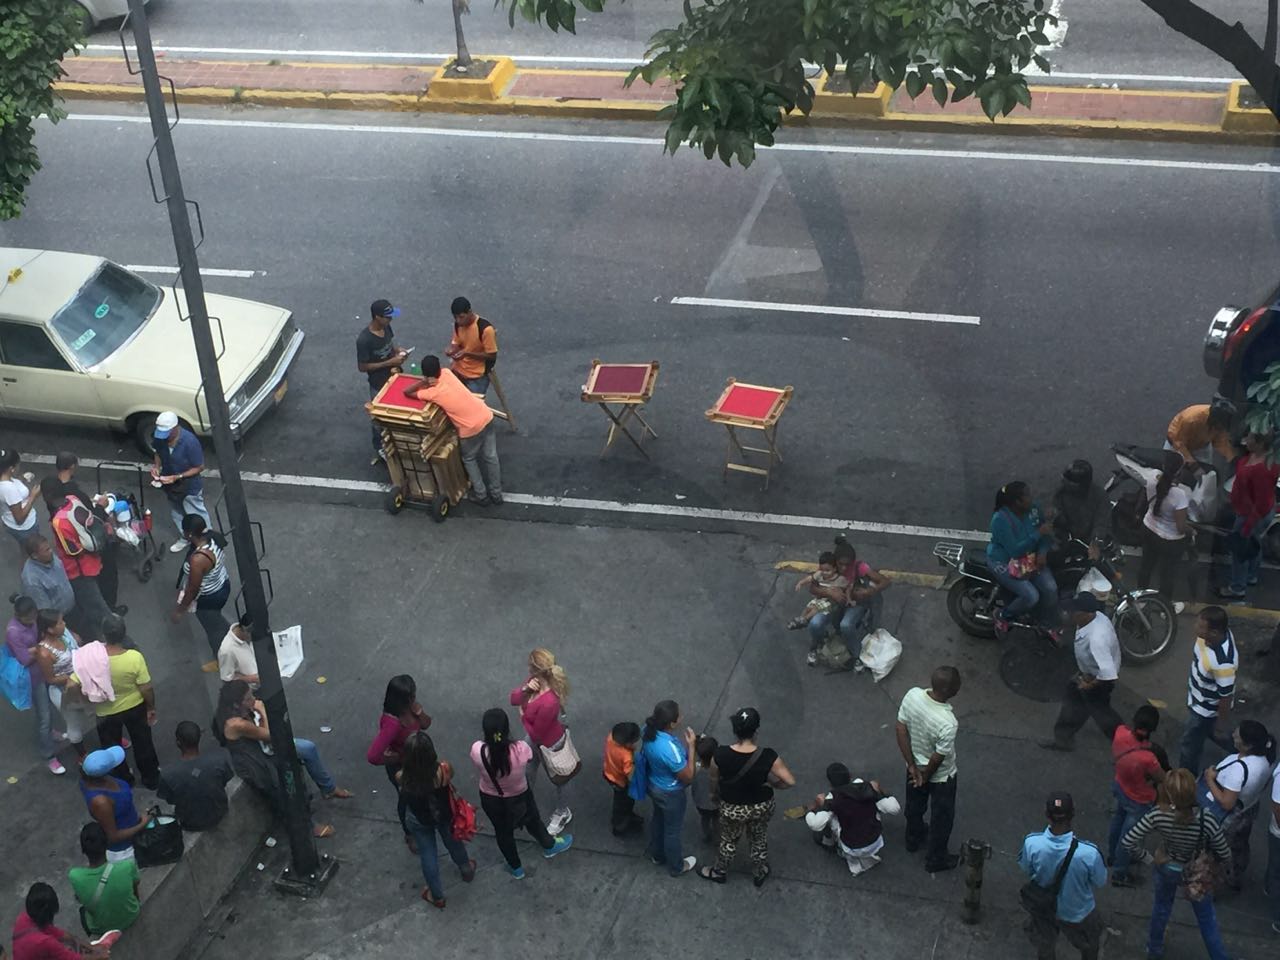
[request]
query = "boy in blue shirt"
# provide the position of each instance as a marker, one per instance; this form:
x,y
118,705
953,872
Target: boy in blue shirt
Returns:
x,y
1076,916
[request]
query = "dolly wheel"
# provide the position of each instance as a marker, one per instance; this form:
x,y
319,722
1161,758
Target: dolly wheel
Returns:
x,y
395,500
440,507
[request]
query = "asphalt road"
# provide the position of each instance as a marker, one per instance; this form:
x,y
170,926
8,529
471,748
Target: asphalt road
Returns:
x,y
1093,282
1112,37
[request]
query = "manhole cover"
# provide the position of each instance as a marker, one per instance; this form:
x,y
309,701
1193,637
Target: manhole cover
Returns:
x,y
1034,670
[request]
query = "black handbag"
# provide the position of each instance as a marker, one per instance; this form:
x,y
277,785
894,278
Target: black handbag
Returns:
x,y
1042,902
158,843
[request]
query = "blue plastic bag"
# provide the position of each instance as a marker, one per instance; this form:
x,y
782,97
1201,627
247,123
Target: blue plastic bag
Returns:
x,y
15,680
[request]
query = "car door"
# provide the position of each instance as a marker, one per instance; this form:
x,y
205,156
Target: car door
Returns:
x,y
38,382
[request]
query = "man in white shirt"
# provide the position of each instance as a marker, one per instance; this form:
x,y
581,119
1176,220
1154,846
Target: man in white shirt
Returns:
x,y
1272,883
1088,694
926,732
236,659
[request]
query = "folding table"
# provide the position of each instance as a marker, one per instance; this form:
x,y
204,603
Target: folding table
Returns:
x,y
750,406
627,386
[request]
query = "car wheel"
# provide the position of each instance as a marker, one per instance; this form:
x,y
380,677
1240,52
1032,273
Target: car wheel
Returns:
x,y
86,20
141,428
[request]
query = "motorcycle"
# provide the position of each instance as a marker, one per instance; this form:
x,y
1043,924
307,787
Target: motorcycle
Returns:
x,y
1145,622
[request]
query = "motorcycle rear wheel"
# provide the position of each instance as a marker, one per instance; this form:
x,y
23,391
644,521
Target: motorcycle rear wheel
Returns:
x,y
970,604
1139,644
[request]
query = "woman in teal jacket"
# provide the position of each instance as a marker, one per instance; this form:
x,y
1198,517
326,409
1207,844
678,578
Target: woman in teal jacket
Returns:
x,y
1019,531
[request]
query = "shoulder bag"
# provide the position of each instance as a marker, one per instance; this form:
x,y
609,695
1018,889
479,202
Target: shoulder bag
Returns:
x,y
1024,566
160,842
1203,873
561,759
1042,902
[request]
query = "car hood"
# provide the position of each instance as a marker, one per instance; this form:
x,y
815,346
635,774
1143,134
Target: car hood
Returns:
x,y
163,352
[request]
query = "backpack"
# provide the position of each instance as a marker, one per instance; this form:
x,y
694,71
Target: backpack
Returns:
x,y
88,532
481,326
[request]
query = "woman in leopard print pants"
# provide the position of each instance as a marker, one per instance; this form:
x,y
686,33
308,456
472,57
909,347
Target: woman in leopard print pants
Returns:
x,y
743,778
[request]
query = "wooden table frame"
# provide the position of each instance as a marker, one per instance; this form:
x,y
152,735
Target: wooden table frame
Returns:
x,y
628,404
767,426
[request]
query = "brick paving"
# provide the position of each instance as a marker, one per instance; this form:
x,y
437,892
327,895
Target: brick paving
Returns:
x,y
580,87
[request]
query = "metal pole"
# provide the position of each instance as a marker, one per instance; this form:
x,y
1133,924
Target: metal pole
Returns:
x,y
306,864
974,853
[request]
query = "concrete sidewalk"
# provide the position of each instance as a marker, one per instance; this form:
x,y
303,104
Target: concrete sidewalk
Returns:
x,y
1166,114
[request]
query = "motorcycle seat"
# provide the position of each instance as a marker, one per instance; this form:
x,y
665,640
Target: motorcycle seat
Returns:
x,y
1147,456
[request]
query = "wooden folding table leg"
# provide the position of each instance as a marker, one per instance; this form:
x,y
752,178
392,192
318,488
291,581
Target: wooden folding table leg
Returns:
x,y
619,425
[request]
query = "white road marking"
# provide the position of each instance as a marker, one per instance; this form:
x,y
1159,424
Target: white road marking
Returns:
x,y
585,504
1143,78
825,310
204,271
832,148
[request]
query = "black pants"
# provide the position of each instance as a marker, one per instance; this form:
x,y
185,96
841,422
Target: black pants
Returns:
x,y
622,815
1079,705
90,607
144,751
940,799
1161,558
109,577
507,814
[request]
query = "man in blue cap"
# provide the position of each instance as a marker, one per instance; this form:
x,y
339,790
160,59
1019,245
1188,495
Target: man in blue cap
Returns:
x,y
376,356
110,801
179,463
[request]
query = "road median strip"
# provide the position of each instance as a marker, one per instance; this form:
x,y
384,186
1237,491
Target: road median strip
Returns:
x,y
1170,114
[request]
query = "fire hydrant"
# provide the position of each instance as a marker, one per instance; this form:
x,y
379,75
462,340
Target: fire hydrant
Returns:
x,y
974,854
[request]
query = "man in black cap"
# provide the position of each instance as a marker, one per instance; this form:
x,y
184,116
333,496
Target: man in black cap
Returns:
x,y
1081,510
376,355
1088,693
1075,911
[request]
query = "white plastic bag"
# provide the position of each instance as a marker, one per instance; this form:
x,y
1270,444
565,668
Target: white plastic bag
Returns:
x,y
1095,583
880,653
1203,507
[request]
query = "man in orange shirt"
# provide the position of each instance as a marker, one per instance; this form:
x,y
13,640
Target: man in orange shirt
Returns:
x,y
473,420
474,348
1198,428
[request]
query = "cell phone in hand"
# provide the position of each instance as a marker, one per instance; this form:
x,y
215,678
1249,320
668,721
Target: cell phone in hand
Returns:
x,y
407,350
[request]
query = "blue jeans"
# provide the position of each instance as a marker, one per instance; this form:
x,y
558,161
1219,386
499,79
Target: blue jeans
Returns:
x,y
44,716
309,754
1198,729
429,856
478,385
666,824
852,623
192,503
1127,813
1246,553
1165,881
1039,590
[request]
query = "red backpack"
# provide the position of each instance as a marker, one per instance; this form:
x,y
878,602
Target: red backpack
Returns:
x,y
462,816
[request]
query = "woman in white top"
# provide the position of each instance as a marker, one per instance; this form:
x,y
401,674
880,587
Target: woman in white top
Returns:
x,y
1232,788
1164,528
17,500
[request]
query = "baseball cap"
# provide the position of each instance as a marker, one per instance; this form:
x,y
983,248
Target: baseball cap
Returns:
x,y
101,762
1083,603
383,308
165,422
1059,806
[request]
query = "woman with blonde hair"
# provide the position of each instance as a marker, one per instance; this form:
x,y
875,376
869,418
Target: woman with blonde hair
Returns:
x,y
541,700
1185,830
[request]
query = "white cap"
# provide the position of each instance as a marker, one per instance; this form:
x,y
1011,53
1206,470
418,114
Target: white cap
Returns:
x,y
165,423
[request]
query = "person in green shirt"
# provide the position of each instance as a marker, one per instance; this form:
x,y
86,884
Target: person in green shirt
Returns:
x,y
107,892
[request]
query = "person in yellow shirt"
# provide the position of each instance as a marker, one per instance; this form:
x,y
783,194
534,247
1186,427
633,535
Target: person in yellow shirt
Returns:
x,y
134,706
1198,430
474,348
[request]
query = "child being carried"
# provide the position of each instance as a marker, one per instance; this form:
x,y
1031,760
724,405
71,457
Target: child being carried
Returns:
x,y
828,576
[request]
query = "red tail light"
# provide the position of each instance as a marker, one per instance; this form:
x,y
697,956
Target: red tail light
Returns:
x,y
1242,331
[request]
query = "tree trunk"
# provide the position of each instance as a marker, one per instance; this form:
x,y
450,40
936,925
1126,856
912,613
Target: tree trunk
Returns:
x,y
1231,42
464,56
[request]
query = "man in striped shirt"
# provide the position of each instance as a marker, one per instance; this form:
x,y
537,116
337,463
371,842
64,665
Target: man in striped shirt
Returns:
x,y
1210,687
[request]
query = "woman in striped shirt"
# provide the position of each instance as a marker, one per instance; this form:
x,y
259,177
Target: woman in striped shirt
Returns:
x,y
204,584
1184,830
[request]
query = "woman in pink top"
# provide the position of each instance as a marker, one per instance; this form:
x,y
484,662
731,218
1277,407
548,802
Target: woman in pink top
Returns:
x,y
505,796
541,701
402,715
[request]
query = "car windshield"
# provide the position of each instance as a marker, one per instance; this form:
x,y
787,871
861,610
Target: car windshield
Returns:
x,y
107,311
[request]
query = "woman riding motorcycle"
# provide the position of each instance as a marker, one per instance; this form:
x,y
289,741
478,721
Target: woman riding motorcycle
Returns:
x,y
1018,556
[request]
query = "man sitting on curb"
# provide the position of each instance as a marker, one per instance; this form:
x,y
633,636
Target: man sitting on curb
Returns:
x,y
236,659
197,784
474,421
106,890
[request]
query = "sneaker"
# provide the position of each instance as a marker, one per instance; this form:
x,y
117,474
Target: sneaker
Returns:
x,y
56,767
687,864
1122,880
177,546
516,872
1055,745
1226,593
120,610
108,939
559,820
478,500
812,658
563,843
495,499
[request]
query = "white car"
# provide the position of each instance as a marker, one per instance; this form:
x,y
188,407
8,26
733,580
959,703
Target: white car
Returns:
x,y
96,11
85,341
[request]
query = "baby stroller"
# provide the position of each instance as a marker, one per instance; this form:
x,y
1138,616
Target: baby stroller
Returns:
x,y
129,523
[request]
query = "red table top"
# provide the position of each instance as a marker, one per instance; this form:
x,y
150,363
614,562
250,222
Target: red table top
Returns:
x,y
621,378
392,394
750,403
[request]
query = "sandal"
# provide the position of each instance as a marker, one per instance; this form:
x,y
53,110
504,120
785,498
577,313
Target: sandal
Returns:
x,y
759,881
712,874
323,830
795,623
426,895
339,793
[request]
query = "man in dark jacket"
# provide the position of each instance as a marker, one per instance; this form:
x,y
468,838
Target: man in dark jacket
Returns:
x,y
1080,507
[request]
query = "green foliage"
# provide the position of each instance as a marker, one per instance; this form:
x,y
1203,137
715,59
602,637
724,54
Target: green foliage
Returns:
x,y
1263,415
739,64
34,37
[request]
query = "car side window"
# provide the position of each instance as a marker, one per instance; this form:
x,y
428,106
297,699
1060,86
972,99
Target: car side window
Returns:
x,y
27,345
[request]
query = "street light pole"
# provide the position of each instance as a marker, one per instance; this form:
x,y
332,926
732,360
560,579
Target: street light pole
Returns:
x,y
308,870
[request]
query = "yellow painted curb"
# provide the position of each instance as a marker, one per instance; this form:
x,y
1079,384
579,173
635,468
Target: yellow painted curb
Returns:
x,y
490,88
1247,119
873,104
